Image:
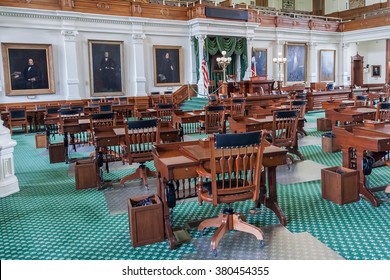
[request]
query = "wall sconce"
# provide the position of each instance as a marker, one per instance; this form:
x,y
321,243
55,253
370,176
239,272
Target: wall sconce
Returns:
x,y
366,69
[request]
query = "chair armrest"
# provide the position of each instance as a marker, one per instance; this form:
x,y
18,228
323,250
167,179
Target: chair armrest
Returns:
x,y
203,172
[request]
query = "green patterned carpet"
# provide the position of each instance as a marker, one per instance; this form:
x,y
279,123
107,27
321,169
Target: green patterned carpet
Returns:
x,y
49,219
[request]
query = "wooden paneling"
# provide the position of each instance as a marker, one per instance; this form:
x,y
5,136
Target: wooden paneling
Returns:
x,y
33,4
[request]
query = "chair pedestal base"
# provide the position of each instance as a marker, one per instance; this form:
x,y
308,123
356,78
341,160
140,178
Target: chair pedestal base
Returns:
x,y
226,222
142,172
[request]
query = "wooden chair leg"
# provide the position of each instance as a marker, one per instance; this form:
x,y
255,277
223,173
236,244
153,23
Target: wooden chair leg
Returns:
x,y
142,172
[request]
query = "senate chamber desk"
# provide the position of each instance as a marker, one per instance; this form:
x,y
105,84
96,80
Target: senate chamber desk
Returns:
x,y
176,162
355,141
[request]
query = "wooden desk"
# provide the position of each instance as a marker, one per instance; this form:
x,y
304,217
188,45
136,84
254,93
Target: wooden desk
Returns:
x,y
72,127
176,163
255,123
191,119
350,115
334,104
362,138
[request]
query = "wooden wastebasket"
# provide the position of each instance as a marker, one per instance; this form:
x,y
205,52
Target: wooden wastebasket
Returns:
x,y
40,140
85,174
57,152
340,185
145,222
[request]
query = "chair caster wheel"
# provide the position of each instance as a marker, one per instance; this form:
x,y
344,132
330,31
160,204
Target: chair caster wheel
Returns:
x,y
215,252
261,244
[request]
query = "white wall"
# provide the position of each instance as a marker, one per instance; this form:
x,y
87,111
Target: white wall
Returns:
x,y
139,35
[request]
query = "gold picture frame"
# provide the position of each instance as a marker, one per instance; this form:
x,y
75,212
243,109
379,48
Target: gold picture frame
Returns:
x,y
167,65
28,69
327,65
106,68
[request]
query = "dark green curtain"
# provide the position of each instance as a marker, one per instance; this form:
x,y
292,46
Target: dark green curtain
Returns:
x,y
214,46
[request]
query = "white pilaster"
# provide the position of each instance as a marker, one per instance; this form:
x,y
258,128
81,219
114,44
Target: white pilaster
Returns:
x,y
248,72
138,58
312,70
8,182
201,89
72,83
342,77
278,48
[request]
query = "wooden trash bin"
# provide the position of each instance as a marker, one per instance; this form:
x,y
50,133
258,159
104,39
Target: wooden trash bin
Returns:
x,y
57,152
40,140
145,221
85,174
329,143
340,185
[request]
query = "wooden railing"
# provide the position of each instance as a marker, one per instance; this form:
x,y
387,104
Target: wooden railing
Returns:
x,y
263,16
183,93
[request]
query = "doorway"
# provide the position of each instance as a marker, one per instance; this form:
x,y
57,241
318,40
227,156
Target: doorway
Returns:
x,y
357,70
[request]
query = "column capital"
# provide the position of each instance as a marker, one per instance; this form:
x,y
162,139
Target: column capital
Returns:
x,y
139,37
200,37
69,35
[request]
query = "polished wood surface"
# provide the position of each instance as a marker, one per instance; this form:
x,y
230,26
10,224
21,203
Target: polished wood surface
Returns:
x,y
350,115
362,138
178,161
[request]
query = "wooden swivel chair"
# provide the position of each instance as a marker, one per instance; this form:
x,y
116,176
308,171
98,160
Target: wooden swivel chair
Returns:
x,y
284,132
140,136
233,174
155,98
383,111
237,107
214,121
105,107
300,106
17,117
168,97
360,101
165,112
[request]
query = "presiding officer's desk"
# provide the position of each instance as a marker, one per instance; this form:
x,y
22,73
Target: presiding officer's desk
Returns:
x,y
177,162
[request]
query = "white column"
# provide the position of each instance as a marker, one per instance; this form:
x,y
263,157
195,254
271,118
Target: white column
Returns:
x,y
248,72
72,82
344,61
201,89
8,182
312,70
278,48
139,87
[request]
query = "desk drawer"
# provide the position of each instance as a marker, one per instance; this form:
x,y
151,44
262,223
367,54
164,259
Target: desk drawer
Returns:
x,y
107,141
185,172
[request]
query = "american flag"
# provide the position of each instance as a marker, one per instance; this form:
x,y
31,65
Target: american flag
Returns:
x,y
205,72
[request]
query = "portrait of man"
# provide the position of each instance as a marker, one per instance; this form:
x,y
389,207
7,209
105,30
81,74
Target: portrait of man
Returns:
x,y
30,75
106,68
376,71
28,69
167,65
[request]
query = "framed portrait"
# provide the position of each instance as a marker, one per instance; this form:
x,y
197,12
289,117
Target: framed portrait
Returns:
x,y
28,69
259,62
105,68
376,71
295,68
167,65
327,65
